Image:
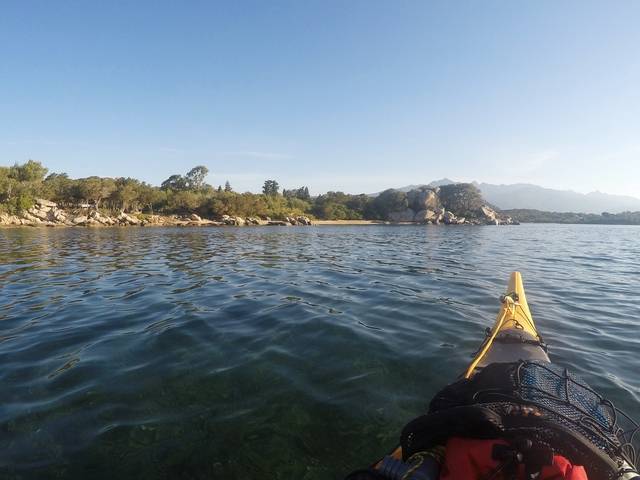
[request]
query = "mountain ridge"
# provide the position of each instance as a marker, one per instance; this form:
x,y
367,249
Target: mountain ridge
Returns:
x,y
531,196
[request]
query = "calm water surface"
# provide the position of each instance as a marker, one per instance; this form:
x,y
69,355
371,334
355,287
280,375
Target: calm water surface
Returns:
x,y
281,353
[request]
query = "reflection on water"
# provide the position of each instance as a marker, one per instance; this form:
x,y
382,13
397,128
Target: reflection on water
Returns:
x,y
244,353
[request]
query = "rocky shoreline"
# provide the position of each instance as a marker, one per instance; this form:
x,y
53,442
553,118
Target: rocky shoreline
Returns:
x,y
45,213
487,216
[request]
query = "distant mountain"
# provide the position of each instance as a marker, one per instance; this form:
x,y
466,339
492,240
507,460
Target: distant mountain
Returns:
x,y
528,196
407,188
524,195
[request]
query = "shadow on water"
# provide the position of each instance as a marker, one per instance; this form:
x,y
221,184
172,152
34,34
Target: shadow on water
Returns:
x,y
277,353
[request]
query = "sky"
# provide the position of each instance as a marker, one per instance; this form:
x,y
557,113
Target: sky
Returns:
x,y
348,95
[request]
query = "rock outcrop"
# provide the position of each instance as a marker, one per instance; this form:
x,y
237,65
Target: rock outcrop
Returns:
x,y
424,216
485,216
423,199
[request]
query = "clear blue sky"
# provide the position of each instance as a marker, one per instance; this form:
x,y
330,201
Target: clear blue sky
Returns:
x,y
350,95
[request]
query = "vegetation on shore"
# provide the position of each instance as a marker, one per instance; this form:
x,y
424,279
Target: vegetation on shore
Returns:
x,y
539,216
185,194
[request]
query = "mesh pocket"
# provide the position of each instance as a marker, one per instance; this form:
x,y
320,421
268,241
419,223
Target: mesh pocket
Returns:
x,y
574,404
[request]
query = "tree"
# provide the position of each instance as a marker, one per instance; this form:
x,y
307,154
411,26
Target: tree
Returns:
x,y
390,200
30,171
149,196
461,198
184,201
126,193
227,187
58,187
302,193
195,177
270,188
174,182
7,184
95,189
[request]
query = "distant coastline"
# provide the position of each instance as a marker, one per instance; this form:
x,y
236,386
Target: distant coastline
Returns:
x,y
30,196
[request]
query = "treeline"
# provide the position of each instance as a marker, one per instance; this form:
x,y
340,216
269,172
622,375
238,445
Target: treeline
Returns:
x,y
21,184
539,216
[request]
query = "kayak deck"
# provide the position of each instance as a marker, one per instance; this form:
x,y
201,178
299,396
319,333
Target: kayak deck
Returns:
x,y
514,335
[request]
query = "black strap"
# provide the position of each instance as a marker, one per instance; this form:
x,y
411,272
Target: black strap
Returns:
x,y
427,431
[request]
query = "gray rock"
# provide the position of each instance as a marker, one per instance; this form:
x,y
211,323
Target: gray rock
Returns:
x,y
424,216
450,218
42,214
422,199
125,219
488,213
31,219
195,218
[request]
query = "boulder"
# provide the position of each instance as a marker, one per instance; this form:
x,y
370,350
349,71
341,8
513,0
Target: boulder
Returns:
x,y
303,220
42,214
58,215
489,214
31,219
403,216
195,218
154,220
424,216
422,199
45,203
100,218
227,220
79,220
450,218
125,219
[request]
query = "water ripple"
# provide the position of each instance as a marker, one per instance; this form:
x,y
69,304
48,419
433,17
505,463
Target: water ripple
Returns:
x,y
277,353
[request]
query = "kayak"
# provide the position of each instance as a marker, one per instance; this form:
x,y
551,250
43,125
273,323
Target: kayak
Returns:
x,y
516,389
513,337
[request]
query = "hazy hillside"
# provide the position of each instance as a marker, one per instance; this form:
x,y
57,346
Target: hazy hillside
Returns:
x,y
528,196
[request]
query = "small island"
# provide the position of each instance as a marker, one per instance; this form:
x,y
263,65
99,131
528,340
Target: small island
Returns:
x,y
31,196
